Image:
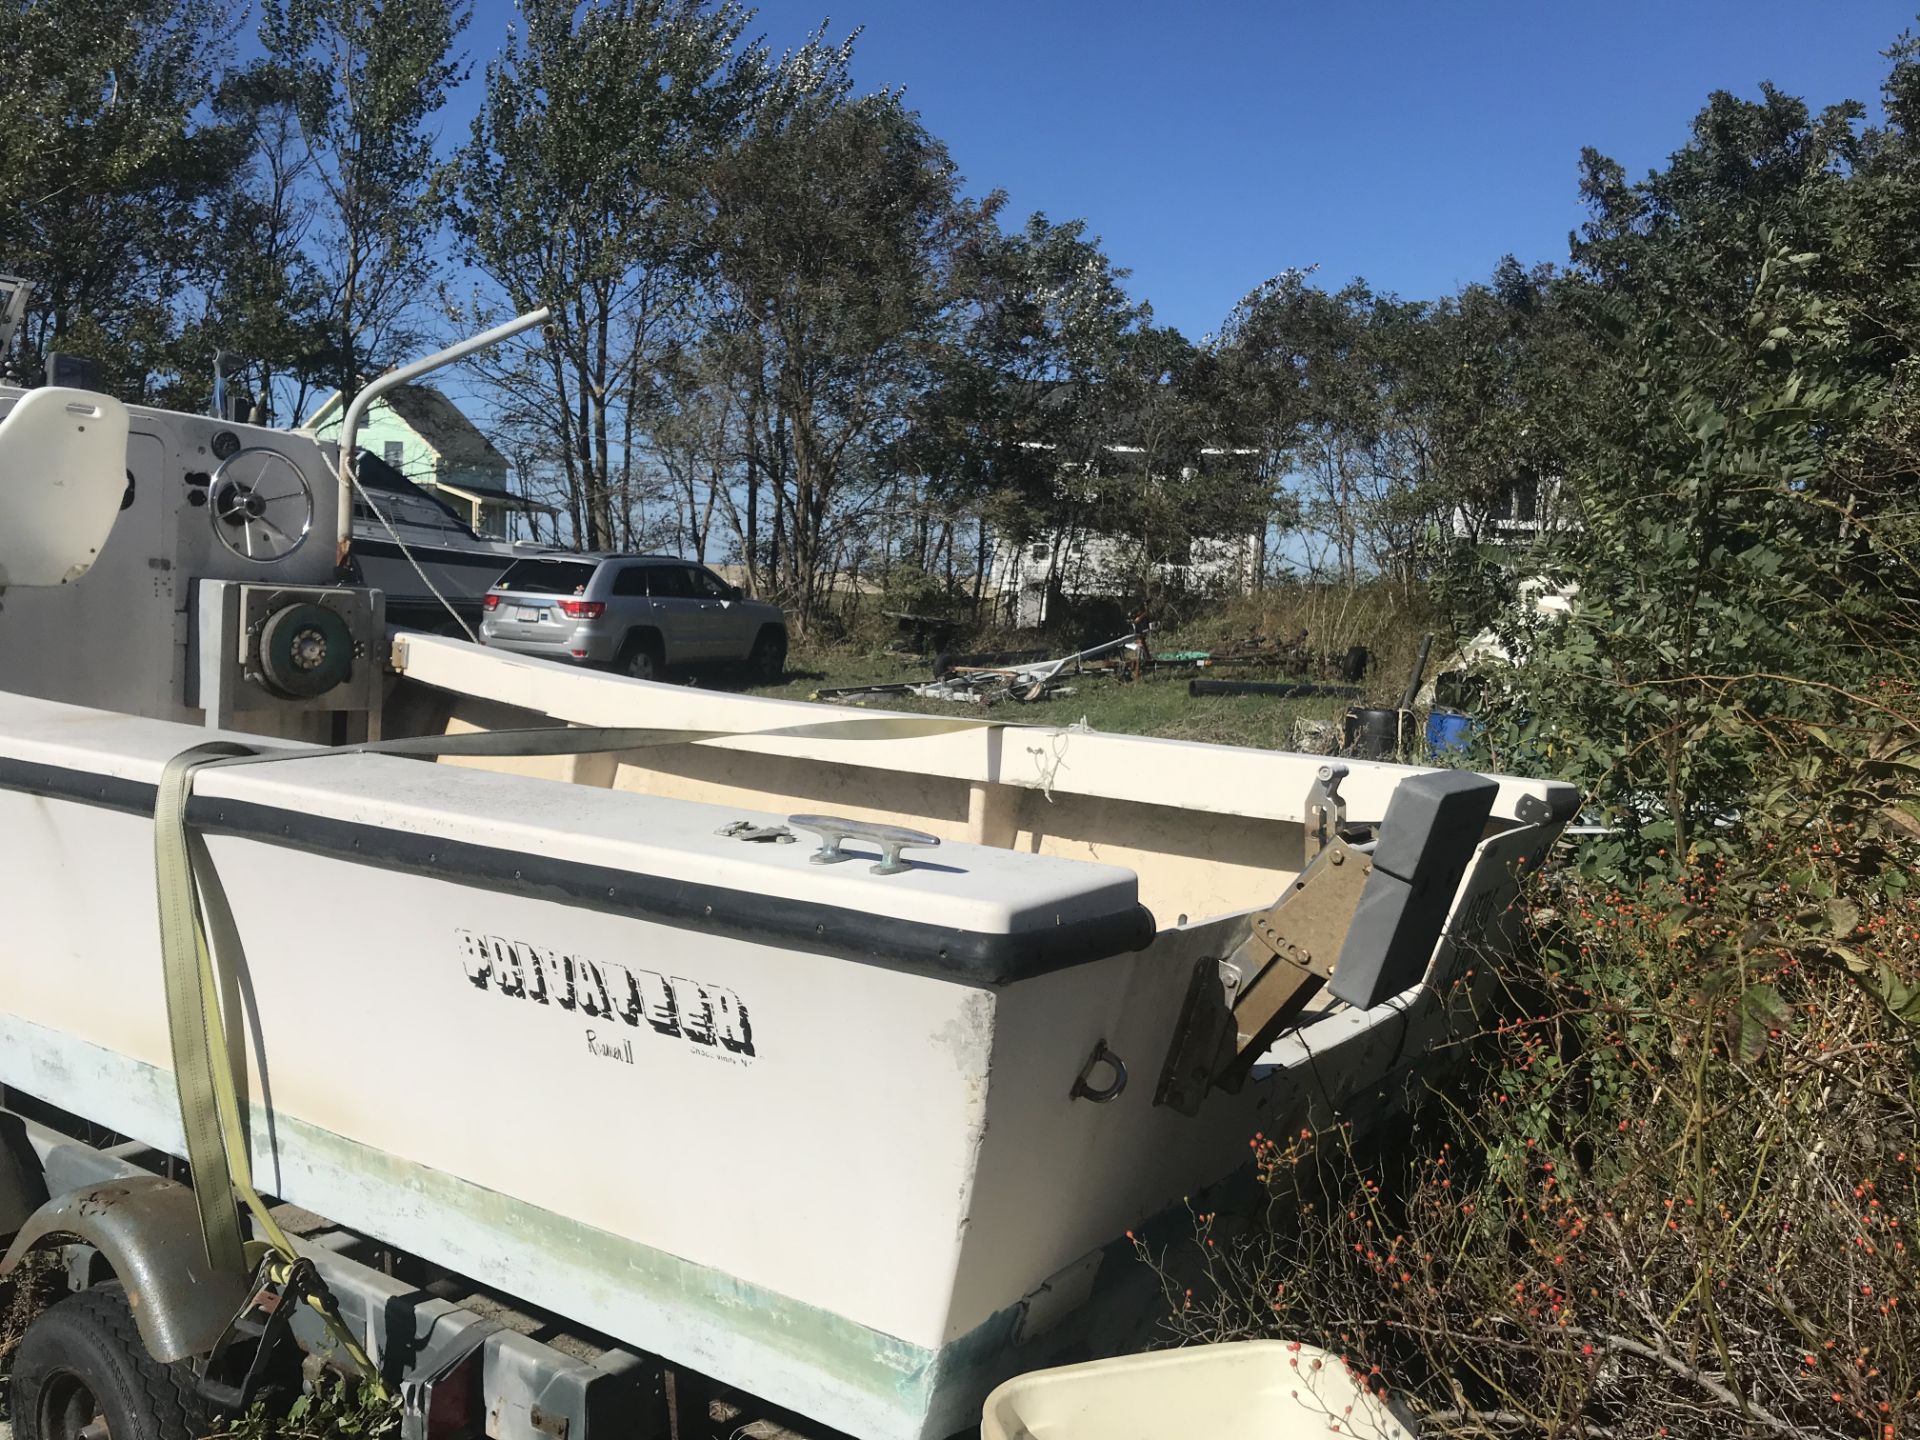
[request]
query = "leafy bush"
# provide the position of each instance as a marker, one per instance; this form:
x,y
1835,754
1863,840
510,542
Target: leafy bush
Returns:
x,y
333,1410
1674,1191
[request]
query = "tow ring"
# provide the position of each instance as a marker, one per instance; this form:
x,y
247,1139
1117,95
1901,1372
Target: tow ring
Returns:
x,y
1110,1091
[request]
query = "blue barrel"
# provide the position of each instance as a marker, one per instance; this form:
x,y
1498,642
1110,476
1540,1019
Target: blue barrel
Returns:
x,y
1449,732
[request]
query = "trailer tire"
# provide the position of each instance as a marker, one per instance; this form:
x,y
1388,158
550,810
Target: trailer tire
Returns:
x,y
82,1362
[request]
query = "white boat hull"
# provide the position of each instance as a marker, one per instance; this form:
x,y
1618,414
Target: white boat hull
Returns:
x,y
843,1170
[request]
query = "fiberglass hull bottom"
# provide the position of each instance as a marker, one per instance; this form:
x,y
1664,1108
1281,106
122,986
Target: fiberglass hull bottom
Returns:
x,y
823,1148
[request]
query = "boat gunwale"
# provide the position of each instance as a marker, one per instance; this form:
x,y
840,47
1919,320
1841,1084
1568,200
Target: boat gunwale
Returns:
x,y
942,951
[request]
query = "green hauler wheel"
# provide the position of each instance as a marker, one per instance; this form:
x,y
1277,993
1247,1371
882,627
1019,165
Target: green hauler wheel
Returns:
x,y
305,650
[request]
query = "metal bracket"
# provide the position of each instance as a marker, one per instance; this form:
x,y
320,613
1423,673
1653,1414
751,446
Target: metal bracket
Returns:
x,y
254,1333
1308,924
892,839
1111,1090
1293,947
14,293
1326,810
1234,1008
1203,1040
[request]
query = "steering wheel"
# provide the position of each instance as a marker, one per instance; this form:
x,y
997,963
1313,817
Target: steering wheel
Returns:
x,y
260,505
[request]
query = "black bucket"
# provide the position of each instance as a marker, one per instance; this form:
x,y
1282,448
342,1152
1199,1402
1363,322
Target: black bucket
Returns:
x,y
1371,734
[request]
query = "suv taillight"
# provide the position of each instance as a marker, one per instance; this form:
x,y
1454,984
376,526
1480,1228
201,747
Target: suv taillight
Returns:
x,y
582,609
492,602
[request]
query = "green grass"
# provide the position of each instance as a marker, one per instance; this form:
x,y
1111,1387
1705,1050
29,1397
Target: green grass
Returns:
x,y
1158,704
1330,618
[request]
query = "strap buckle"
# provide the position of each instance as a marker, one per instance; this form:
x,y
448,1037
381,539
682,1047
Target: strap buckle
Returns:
x,y
253,1335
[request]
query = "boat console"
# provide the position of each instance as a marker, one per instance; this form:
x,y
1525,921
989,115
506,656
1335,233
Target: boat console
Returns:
x,y
188,566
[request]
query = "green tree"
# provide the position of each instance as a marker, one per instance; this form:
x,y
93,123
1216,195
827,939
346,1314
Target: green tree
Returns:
x,y
577,190
1026,392
264,305
106,172
1733,460
1307,371
834,224
370,76
1391,431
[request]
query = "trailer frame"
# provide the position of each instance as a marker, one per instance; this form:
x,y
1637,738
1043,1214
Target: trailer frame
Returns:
x,y
465,1366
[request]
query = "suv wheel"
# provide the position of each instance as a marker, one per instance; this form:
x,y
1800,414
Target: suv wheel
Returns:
x,y
768,661
642,659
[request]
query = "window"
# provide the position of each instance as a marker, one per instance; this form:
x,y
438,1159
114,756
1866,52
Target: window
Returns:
x,y
709,586
669,582
1519,501
631,580
392,453
547,577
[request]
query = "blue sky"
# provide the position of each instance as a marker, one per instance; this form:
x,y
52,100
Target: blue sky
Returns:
x,y
1215,142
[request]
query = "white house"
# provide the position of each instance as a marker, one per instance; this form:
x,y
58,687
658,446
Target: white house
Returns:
x,y
1023,578
1526,509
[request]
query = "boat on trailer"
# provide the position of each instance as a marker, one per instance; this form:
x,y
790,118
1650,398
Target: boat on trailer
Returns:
x,y
832,1057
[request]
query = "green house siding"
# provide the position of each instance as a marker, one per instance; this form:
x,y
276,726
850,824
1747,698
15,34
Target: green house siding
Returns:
x,y
388,433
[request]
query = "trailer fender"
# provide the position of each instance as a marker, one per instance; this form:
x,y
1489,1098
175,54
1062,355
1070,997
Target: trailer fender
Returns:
x,y
23,1188
148,1229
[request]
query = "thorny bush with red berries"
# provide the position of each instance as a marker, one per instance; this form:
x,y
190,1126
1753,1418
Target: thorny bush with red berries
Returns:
x,y
1673,1190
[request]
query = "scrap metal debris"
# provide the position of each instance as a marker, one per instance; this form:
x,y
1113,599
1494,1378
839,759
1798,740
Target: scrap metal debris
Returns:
x,y
1031,675
990,684
1295,655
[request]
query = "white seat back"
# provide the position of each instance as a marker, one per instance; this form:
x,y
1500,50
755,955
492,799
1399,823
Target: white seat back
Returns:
x,y
63,473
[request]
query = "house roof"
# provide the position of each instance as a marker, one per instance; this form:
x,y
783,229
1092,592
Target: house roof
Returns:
x,y
439,422
431,416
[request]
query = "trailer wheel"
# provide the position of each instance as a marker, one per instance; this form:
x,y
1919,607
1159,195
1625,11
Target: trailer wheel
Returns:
x,y
81,1373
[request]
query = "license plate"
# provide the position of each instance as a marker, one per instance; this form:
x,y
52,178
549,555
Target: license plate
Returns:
x,y
535,615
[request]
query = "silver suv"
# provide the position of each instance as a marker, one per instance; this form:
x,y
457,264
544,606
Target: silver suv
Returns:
x,y
638,614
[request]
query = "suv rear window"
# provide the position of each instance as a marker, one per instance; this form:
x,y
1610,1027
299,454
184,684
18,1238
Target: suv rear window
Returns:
x,y
547,577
